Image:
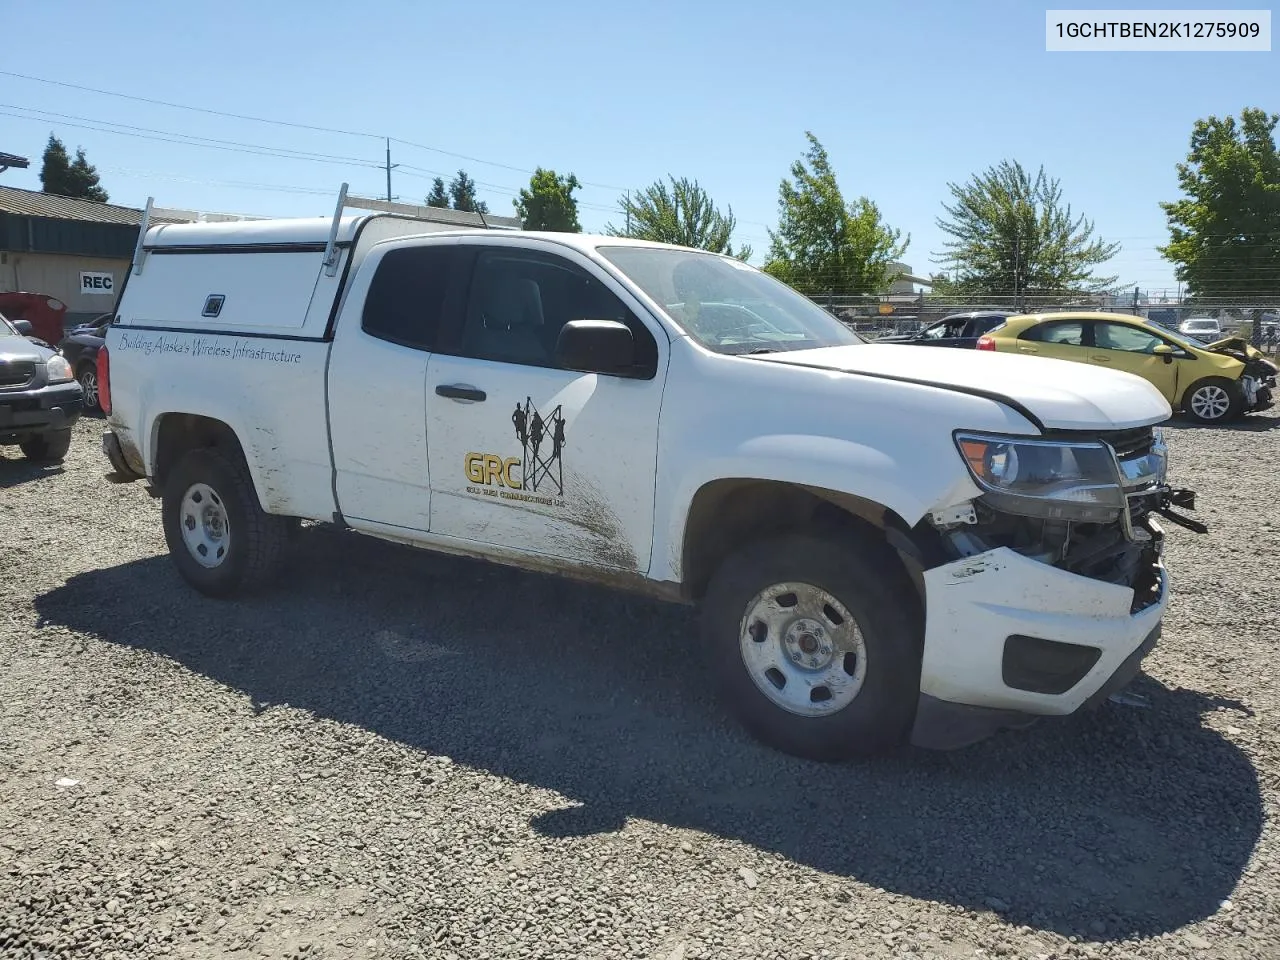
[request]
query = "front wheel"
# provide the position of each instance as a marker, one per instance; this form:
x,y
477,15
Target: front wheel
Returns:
x,y
89,384
816,645
220,538
50,447
1213,400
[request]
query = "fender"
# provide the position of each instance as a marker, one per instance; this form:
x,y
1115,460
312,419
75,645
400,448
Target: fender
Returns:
x,y
213,409
807,460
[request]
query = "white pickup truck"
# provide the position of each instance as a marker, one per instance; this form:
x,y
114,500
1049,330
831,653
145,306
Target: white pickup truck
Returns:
x,y
887,544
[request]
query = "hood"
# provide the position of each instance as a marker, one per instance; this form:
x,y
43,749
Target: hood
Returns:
x,y
1238,348
25,348
1060,394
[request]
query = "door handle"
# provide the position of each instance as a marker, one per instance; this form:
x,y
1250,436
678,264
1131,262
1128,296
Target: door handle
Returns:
x,y
1100,359
459,391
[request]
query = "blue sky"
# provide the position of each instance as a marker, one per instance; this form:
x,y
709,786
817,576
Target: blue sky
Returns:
x,y
905,96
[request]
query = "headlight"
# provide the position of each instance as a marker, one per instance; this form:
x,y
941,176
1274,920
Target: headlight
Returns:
x,y
58,370
1042,478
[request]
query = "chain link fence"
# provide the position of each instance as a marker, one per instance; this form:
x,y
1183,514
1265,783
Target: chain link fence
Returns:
x,y
888,315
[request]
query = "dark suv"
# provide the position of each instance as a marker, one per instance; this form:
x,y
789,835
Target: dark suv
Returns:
x,y
957,330
39,396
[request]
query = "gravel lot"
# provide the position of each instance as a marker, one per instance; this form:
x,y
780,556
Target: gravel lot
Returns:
x,y
400,755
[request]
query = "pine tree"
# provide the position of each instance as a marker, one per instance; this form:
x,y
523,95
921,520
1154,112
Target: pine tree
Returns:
x,y
63,177
55,171
463,193
84,179
439,196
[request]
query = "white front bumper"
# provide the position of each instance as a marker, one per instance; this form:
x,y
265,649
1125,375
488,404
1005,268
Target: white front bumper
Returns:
x,y
974,604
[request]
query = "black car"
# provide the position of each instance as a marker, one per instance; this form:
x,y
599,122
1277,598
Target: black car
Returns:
x,y
39,397
956,330
80,348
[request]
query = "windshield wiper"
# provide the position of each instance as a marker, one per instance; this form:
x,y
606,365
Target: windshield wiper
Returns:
x,y
758,350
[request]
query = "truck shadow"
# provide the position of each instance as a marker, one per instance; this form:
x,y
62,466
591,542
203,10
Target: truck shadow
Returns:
x,y
1142,818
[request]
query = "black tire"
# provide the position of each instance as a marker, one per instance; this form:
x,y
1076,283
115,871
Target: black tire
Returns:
x,y
864,579
1235,400
256,540
50,447
88,378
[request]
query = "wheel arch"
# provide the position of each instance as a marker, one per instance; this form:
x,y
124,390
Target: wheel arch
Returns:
x,y
729,513
174,434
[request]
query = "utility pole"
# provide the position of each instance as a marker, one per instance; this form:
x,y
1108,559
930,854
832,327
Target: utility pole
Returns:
x,y
1017,272
628,211
390,167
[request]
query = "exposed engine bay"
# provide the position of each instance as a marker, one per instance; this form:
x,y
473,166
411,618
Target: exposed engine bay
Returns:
x,y
1123,551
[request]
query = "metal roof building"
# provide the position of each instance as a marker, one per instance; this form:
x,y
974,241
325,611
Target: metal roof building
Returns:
x,y
73,250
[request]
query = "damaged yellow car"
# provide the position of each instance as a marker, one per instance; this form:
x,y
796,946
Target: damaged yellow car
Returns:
x,y
1211,383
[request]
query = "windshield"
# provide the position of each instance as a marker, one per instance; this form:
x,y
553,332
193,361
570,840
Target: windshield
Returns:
x,y
726,305
1201,324
1181,341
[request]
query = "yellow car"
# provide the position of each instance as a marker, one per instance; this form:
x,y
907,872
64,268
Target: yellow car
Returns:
x,y
1211,383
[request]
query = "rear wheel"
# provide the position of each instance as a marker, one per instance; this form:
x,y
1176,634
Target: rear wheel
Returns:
x,y
88,378
816,646
50,447
1213,400
220,538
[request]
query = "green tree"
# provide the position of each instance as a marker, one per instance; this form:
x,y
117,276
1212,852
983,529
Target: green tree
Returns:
x,y
462,191
64,177
679,212
824,245
1225,232
439,195
548,203
1011,234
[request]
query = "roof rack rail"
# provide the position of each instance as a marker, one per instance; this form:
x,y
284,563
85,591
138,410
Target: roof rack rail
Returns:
x,y
139,251
330,261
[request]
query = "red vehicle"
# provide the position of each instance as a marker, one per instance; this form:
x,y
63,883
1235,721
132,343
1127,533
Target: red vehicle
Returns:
x,y
45,314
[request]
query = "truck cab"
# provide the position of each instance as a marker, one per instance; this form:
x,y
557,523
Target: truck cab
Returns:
x,y
886,544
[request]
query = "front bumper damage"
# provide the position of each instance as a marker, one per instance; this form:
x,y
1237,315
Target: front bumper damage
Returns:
x,y
1029,617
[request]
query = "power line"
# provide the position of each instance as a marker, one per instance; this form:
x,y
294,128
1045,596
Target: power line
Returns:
x,y
184,106
212,141
238,184
284,123
261,152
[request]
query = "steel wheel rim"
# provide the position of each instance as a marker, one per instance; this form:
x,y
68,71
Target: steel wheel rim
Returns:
x,y
803,649
89,384
206,530
1210,402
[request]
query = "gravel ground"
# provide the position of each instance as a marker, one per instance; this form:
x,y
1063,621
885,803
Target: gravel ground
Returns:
x,y
400,755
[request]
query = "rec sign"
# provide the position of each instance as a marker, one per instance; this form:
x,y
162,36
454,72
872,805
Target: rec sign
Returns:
x,y
99,284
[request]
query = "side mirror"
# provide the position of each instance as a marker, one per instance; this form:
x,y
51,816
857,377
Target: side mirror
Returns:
x,y
595,346
23,327
1164,350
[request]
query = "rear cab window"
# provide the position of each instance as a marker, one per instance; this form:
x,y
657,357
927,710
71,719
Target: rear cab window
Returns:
x,y
406,296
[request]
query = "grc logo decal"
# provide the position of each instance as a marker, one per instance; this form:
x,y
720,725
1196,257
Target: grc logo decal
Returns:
x,y
539,468
487,468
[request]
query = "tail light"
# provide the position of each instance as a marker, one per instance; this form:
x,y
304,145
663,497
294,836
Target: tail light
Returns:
x,y
104,379
986,343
